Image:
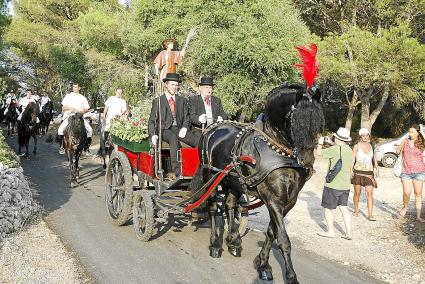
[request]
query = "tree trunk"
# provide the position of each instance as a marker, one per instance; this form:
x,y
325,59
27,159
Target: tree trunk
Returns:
x,y
385,95
351,109
365,111
146,76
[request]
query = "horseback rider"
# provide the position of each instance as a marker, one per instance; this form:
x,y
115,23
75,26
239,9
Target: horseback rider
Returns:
x,y
44,100
174,120
72,103
10,98
114,106
205,108
23,102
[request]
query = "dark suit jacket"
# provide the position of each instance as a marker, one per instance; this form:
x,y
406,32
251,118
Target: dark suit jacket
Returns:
x,y
197,108
182,115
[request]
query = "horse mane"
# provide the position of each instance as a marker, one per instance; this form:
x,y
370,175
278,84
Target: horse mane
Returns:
x,y
29,110
76,126
298,126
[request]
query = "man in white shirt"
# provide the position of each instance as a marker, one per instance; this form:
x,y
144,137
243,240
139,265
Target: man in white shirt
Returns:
x,y
114,106
204,109
44,100
8,99
29,98
72,103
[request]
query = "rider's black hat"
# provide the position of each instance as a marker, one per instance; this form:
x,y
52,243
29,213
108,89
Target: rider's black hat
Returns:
x,y
206,81
172,77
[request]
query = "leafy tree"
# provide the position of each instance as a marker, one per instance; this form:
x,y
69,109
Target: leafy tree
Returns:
x,y
375,67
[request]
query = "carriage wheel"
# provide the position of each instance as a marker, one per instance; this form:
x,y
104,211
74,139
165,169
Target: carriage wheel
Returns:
x,y
143,214
119,189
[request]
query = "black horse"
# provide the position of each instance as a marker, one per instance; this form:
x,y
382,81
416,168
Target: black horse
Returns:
x,y
45,117
11,118
283,162
27,128
75,138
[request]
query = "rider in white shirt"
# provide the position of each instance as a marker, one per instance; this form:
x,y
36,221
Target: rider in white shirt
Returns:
x,y
44,100
114,106
72,103
8,99
29,98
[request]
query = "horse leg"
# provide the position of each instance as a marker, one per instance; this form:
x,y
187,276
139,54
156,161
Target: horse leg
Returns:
x,y
215,247
27,146
77,169
283,242
261,262
35,145
233,239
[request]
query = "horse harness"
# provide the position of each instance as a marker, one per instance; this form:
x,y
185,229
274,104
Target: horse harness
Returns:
x,y
271,156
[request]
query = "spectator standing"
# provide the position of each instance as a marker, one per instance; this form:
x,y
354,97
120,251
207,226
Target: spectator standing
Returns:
x,y
413,170
365,170
335,192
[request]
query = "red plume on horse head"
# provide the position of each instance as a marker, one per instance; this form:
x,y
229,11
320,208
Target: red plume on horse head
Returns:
x,y
309,66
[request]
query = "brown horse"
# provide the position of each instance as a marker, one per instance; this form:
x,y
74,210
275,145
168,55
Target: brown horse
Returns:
x,y
75,138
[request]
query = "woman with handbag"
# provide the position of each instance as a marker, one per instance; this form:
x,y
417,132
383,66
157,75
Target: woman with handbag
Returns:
x,y
365,170
337,186
413,169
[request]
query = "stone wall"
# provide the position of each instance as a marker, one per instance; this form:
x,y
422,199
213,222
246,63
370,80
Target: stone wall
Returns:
x,y
17,203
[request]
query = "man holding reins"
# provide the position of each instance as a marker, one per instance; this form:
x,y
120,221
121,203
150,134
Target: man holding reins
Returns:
x,y
72,103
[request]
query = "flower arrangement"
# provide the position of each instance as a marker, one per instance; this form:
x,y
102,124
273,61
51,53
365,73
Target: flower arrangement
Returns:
x,y
133,126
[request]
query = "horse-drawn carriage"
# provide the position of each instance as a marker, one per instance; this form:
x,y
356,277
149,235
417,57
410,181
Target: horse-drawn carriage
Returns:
x,y
135,187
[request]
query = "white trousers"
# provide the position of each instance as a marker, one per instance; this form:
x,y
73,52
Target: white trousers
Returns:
x,y
65,122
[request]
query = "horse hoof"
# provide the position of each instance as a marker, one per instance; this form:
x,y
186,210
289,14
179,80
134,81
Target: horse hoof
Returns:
x,y
104,167
265,275
235,251
74,184
215,252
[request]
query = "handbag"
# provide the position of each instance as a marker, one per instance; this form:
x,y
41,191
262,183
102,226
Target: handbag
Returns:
x,y
332,173
398,166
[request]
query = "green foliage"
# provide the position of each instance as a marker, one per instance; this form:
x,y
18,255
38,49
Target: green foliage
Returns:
x,y
7,155
133,128
393,57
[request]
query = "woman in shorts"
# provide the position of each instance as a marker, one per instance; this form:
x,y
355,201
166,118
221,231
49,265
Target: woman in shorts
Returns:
x,y
413,170
365,170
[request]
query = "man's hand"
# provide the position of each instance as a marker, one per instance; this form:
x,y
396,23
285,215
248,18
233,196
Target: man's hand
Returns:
x,y
321,140
219,119
154,139
203,118
182,132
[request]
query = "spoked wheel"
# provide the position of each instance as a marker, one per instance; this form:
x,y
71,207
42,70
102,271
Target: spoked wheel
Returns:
x,y
143,214
119,189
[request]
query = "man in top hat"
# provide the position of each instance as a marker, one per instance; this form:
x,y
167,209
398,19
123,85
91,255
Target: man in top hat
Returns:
x,y
204,109
174,123
168,59
336,191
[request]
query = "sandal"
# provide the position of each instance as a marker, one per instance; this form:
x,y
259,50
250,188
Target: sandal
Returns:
x,y
371,218
349,238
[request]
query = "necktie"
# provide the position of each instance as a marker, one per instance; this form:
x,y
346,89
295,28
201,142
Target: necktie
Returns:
x,y
207,100
172,103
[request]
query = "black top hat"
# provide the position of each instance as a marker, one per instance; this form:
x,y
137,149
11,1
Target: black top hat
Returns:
x,y
206,81
172,77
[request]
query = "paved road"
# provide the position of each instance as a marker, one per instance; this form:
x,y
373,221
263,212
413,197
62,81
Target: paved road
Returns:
x,y
175,255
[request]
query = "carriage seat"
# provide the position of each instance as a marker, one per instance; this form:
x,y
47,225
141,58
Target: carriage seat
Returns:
x,y
166,146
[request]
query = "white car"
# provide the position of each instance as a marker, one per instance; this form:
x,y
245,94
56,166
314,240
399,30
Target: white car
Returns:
x,y
385,152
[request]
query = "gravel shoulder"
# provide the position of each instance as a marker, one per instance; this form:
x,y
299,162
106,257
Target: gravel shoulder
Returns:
x,y
37,255
392,248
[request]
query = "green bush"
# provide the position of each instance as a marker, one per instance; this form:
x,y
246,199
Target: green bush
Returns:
x,y
7,156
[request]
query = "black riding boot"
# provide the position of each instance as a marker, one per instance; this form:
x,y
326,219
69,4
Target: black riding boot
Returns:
x,y
88,143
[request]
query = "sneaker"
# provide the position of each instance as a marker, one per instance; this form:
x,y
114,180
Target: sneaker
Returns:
x,y
61,151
